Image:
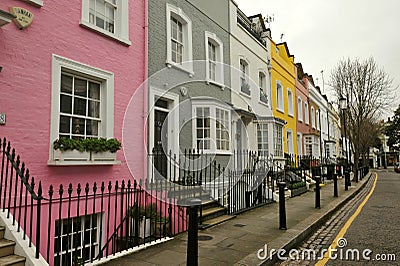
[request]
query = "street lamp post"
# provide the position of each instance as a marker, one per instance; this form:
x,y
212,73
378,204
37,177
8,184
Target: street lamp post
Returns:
x,y
343,107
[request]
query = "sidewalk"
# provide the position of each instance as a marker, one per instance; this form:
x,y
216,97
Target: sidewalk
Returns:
x,y
238,241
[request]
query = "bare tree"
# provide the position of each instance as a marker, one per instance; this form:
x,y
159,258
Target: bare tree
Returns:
x,y
368,89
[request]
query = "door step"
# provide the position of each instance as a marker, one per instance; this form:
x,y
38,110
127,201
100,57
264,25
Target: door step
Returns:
x,y
215,221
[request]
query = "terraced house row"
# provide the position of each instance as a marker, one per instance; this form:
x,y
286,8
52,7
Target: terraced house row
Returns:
x,y
126,109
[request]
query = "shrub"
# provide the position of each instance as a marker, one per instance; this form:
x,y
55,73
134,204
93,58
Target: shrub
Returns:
x,y
90,145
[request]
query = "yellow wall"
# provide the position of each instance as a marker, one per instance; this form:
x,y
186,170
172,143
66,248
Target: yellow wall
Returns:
x,y
283,69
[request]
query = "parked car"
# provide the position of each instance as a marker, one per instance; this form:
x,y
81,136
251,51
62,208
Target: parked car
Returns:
x,y
397,167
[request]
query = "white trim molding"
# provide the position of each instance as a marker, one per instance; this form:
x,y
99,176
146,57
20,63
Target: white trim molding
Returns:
x,y
121,27
219,59
187,57
60,64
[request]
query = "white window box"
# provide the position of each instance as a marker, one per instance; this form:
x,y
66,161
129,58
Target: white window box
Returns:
x,y
77,158
71,156
145,227
103,156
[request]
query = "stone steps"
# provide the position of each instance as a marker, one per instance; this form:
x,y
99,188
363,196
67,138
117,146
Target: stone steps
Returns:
x,y
7,256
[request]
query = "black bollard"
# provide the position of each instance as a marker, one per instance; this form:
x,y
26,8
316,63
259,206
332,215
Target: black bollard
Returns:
x,y
317,192
282,209
335,187
192,246
346,177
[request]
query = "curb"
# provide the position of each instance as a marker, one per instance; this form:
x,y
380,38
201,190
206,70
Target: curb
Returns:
x,y
318,223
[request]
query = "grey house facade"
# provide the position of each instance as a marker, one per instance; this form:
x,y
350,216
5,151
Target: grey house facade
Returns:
x,y
189,101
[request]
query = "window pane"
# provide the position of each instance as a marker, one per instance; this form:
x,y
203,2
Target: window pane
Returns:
x,y
174,30
199,134
80,106
92,128
65,104
199,122
66,84
80,87
65,124
94,90
78,126
94,109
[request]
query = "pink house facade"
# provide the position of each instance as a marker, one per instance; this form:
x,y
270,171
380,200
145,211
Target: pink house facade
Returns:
x,y
302,104
72,73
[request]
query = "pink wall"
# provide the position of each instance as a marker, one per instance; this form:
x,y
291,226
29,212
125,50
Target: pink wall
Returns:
x,y
25,82
302,92
26,86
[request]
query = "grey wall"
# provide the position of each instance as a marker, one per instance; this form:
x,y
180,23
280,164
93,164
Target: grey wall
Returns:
x,y
216,21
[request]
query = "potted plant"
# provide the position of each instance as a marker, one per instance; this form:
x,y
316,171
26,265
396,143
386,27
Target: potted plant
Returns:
x,y
66,149
162,226
103,149
144,216
297,188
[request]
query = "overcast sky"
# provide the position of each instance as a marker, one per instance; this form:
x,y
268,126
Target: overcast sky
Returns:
x,y
319,33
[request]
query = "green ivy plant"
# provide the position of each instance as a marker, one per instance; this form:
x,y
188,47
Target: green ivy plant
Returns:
x,y
297,185
90,145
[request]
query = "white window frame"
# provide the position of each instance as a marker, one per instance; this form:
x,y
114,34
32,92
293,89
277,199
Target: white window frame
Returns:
x,y
213,127
244,76
306,113
299,144
309,145
261,141
75,97
317,118
299,109
290,102
289,141
219,54
121,27
278,143
279,97
263,87
60,64
96,245
187,57
313,117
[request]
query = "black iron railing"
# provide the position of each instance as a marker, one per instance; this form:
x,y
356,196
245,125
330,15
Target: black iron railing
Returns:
x,y
75,224
243,181
18,197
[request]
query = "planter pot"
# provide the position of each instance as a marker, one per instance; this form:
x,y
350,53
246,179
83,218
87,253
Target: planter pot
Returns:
x,y
73,155
103,156
298,191
162,229
145,227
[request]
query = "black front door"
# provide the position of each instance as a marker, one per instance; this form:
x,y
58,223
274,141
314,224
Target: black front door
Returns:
x,y
160,143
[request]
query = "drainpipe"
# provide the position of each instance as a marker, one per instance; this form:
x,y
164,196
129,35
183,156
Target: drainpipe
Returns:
x,y
145,84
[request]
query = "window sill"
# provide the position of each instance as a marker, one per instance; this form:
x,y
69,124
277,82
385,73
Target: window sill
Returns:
x,y
188,69
105,33
248,96
291,115
38,3
218,152
81,163
76,158
210,81
263,103
280,110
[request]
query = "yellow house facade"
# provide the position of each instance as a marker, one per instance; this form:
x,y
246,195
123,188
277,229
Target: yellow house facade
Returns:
x,y
283,93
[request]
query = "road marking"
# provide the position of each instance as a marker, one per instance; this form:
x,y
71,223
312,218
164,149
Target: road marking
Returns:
x,y
346,226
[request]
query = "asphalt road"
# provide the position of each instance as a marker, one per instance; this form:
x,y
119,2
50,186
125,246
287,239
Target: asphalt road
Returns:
x,y
376,228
